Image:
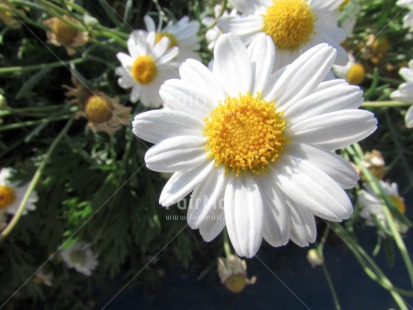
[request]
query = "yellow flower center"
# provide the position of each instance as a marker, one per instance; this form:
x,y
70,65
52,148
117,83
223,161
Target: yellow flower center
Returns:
x,y
7,196
356,74
399,202
236,283
98,109
64,33
170,36
245,134
144,69
78,257
290,23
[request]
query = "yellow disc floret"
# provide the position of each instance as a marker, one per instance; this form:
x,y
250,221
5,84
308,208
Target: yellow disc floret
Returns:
x,y
356,74
399,202
64,33
98,109
290,23
7,196
170,36
245,134
144,69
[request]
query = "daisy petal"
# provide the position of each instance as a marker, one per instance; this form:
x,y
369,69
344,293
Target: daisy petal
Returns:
x,y
310,188
409,117
303,227
245,27
248,6
182,183
206,196
330,163
335,130
231,65
155,126
307,72
176,154
244,215
212,225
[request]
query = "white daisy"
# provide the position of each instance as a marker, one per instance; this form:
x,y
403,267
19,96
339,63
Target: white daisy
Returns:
x,y
213,34
294,25
255,146
405,92
80,257
352,72
12,193
182,34
372,208
148,66
408,18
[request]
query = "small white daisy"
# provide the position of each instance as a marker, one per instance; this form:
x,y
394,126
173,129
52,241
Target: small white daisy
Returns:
x,y
12,193
408,18
373,208
405,92
255,147
352,72
148,66
294,25
182,34
213,34
80,257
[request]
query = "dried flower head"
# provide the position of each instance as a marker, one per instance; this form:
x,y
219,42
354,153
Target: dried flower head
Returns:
x,y
63,34
233,273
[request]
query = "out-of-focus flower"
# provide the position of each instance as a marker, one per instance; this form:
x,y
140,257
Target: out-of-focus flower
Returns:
x,y
233,273
374,161
10,14
352,72
80,257
259,141
213,34
12,193
43,278
148,65
294,25
315,258
63,34
182,34
405,92
372,207
408,18
102,112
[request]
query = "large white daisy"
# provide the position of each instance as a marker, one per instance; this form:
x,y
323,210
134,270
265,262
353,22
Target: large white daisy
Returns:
x,y
12,193
182,34
80,257
294,25
255,147
405,92
148,66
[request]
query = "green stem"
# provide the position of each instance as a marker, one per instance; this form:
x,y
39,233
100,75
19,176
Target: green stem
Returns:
x,y
223,8
384,104
41,66
31,123
227,248
33,183
331,286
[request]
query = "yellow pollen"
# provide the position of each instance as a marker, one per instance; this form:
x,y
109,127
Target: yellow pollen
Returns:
x,y
7,196
144,69
98,109
245,134
399,202
170,36
356,74
290,23
344,4
64,33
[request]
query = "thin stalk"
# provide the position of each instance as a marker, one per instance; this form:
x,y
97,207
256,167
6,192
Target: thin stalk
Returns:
x,y
31,123
33,182
331,287
227,248
41,66
384,104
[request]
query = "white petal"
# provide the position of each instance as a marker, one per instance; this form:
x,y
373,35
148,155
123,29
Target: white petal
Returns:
x,y
303,76
149,23
330,163
276,217
213,225
335,130
155,126
303,227
182,183
125,59
244,215
207,196
248,6
409,117
310,188
246,27
262,54
176,154
232,65
179,95
338,97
